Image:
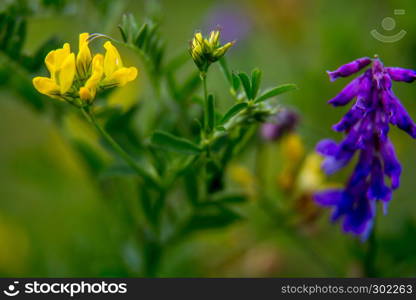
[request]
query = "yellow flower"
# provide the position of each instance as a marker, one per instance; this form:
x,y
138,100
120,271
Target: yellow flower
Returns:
x,y
243,177
61,66
311,177
206,51
84,55
88,91
292,151
115,73
77,80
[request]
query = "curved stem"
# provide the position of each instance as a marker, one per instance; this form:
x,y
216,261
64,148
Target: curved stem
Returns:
x,y
120,151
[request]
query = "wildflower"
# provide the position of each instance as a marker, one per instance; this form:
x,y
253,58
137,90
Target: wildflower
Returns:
x,y
61,66
78,79
293,151
366,126
204,51
243,177
282,123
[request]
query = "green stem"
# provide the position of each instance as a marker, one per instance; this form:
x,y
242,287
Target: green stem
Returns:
x,y
370,269
120,151
206,108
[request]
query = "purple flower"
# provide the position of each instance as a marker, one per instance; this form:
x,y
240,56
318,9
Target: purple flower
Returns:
x,y
366,127
283,122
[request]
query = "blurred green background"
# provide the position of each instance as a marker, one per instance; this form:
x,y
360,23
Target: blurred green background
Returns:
x,y
56,219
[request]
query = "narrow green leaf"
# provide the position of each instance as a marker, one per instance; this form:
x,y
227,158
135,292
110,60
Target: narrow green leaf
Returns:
x,y
229,198
210,113
210,217
141,36
235,81
123,34
246,84
226,71
170,142
255,82
235,109
276,91
132,24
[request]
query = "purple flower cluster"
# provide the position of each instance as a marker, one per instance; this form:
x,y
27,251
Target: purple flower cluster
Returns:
x,y
283,122
366,127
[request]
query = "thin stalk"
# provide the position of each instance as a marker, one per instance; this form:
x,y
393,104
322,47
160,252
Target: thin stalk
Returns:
x,y
370,269
206,109
120,151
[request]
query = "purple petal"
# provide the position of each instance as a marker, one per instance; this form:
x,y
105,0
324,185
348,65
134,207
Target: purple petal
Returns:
x,y
398,114
362,169
327,147
349,68
271,131
378,189
350,91
349,119
381,125
400,74
392,167
328,197
360,219
332,164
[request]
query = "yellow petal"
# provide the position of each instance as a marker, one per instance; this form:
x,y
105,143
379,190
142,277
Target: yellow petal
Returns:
x,y
122,76
84,55
199,38
214,37
112,59
85,94
50,62
45,85
97,72
66,74
83,40
55,58
311,177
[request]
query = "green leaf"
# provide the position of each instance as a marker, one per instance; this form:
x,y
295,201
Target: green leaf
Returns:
x,y
123,27
224,68
246,84
141,36
170,142
210,217
235,81
123,33
229,198
210,113
132,24
235,109
276,91
255,82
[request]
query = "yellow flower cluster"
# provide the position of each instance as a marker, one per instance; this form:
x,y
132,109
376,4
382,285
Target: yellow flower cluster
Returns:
x,y
78,79
206,51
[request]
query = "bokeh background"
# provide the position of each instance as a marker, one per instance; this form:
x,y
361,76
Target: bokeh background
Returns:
x,y
57,219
